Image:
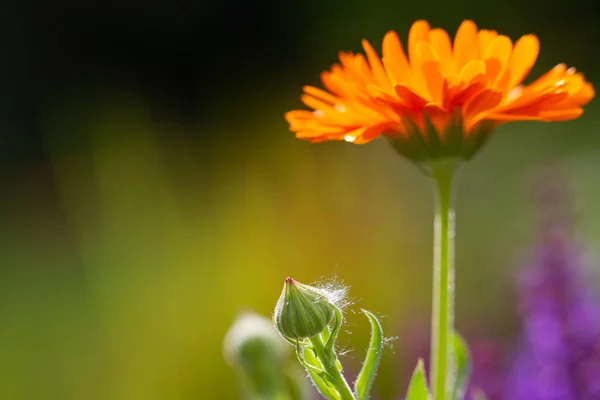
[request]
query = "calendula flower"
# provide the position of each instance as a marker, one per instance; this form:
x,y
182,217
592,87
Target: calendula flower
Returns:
x,y
443,99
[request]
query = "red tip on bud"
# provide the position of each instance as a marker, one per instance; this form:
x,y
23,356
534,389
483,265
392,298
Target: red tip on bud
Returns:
x,y
289,280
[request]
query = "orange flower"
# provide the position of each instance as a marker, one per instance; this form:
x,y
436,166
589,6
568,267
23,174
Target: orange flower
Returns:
x,y
444,99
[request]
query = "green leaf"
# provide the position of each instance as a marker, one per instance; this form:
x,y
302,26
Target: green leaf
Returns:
x,y
417,388
318,379
463,366
365,378
323,387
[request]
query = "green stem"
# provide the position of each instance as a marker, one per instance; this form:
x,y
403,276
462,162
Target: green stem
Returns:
x,y
442,323
329,363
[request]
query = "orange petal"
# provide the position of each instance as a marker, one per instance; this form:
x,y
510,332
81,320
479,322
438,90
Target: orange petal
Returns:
x,y
496,57
571,84
299,115
419,31
465,45
396,106
314,102
362,69
511,117
463,96
428,67
484,38
320,94
585,94
484,101
547,102
364,134
548,79
434,81
452,81
378,93
337,84
409,98
472,69
548,116
533,103
333,83
346,59
441,43
502,81
561,115
318,136
394,60
523,58
438,116
379,74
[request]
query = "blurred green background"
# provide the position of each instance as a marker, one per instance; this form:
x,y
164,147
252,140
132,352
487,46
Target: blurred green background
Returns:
x,y
150,189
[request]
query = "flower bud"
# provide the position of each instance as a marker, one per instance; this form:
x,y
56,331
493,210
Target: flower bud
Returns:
x,y
253,347
302,311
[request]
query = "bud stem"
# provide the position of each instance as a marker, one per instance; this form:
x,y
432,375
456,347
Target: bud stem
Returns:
x,y
442,325
328,360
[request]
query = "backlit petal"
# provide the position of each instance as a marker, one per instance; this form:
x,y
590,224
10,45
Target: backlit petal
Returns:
x,y
496,57
484,38
472,70
379,74
418,32
441,43
465,44
524,55
394,60
429,69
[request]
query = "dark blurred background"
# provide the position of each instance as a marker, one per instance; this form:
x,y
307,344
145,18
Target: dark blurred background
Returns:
x,y
150,189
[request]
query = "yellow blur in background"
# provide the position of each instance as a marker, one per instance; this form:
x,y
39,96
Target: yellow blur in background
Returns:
x,y
125,257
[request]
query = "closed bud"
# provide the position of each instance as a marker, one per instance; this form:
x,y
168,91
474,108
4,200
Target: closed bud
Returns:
x,y
258,353
302,311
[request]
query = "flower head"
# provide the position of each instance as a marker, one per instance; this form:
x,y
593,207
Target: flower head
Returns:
x,y
302,311
443,99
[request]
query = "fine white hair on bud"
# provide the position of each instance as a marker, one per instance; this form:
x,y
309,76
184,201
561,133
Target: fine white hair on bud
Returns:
x,y
336,292
251,331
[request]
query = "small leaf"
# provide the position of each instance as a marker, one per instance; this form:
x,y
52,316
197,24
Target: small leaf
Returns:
x,y
417,388
463,366
365,378
324,387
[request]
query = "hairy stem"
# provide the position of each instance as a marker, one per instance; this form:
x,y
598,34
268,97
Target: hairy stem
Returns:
x,y
442,323
328,360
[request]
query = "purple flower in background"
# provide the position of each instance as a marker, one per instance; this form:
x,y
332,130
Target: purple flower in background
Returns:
x,y
559,354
